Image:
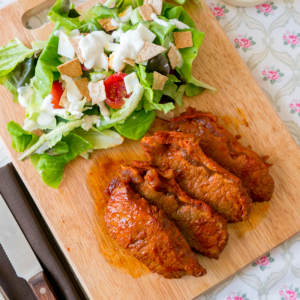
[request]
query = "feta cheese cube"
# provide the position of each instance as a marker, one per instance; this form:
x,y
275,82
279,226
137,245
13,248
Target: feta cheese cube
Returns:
x,y
131,81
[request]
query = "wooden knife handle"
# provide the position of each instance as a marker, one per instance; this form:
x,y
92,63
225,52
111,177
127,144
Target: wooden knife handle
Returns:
x,y
41,287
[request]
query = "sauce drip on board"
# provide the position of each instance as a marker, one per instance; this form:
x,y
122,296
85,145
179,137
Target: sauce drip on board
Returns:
x,y
235,122
258,213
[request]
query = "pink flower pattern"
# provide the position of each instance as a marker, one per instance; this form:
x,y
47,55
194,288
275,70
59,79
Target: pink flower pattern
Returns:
x,y
289,293
272,74
266,8
291,38
218,10
295,107
244,42
237,296
264,262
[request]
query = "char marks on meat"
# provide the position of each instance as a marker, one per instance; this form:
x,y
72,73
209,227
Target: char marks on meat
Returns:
x,y
221,146
146,233
203,228
199,176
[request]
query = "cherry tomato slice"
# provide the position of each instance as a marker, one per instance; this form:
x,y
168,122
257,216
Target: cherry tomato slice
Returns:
x,y
56,93
115,90
84,68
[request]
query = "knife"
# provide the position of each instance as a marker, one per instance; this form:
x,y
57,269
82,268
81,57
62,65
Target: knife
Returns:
x,y
3,295
21,255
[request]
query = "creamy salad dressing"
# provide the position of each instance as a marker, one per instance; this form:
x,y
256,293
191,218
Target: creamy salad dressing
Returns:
x,y
89,121
92,49
25,92
155,18
131,42
104,110
180,25
48,113
29,125
73,93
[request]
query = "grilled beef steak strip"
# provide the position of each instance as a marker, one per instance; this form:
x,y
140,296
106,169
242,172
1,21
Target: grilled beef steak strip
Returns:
x,y
203,228
221,146
146,233
199,176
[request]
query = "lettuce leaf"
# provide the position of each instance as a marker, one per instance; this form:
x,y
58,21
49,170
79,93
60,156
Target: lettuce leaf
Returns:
x,y
76,144
100,140
46,68
193,90
9,81
52,137
175,92
177,12
190,53
33,108
200,84
136,17
59,149
188,56
150,97
51,168
137,124
160,31
103,12
122,4
12,54
92,25
17,70
63,11
21,75
20,137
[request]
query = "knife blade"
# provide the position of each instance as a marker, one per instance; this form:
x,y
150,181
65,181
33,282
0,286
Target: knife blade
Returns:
x,y
21,255
3,296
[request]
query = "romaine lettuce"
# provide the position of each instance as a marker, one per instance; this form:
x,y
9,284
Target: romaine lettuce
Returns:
x,y
63,11
59,149
100,140
171,11
12,54
52,137
160,31
18,70
137,124
104,12
47,64
51,168
20,137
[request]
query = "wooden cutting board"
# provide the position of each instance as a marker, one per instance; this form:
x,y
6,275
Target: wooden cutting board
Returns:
x,y
74,212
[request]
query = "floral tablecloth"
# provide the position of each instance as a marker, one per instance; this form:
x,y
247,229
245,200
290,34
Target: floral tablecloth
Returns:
x,y
267,38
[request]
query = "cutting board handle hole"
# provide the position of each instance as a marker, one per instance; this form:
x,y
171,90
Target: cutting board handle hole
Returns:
x,y
43,8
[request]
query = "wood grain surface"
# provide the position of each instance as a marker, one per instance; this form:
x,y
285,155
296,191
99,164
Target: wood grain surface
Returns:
x,y
74,212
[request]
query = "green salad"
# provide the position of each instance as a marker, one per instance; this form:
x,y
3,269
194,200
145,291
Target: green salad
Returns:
x,y
102,76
